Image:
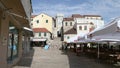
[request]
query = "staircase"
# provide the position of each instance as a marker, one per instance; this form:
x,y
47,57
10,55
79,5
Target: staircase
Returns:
x,y
56,43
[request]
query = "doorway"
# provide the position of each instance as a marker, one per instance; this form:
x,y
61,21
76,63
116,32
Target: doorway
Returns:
x,y
58,34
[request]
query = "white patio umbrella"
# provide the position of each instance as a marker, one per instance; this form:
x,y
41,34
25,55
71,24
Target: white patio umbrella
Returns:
x,y
109,32
111,37
109,28
115,36
75,39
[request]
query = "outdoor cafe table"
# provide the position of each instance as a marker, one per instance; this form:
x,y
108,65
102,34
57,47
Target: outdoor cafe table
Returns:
x,y
113,57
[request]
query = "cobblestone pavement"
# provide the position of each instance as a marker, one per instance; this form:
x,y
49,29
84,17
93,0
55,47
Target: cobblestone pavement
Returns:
x,y
55,58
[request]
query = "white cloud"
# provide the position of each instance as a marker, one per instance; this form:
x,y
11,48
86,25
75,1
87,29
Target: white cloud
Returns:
x,y
106,8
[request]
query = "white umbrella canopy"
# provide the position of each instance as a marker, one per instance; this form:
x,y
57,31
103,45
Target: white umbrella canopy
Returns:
x,y
76,38
111,27
115,36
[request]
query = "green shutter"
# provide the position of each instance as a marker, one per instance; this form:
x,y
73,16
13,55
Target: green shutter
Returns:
x,y
44,34
39,34
46,21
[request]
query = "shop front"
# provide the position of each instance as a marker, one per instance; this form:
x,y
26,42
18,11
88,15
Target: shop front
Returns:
x,y
12,44
12,20
40,42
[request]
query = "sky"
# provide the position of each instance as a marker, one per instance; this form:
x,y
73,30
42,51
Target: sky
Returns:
x,y
108,9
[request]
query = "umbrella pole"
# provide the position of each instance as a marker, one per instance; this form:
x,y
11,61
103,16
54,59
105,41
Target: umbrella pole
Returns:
x,y
98,51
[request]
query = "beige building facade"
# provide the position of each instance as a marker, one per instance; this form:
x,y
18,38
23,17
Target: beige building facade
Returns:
x,y
42,21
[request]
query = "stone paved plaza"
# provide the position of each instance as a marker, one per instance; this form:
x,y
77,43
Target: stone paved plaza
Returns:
x,y
55,58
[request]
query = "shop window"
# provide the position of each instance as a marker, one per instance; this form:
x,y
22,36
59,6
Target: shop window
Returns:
x,y
13,44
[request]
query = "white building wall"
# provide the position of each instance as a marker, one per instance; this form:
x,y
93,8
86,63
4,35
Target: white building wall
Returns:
x,y
97,23
36,35
68,35
83,30
66,28
59,20
89,22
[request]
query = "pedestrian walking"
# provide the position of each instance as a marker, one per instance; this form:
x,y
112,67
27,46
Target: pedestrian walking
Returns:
x,y
78,50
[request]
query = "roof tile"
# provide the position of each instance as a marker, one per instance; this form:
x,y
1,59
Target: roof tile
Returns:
x,y
71,31
40,30
68,19
77,16
91,15
33,16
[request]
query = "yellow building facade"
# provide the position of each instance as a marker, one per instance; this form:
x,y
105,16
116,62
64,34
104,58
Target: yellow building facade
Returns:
x,y
42,21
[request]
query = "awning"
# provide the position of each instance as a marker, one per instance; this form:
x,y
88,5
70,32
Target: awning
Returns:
x,y
38,39
27,31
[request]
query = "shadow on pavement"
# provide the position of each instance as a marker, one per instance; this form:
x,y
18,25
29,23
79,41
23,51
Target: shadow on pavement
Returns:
x,y
83,61
26,59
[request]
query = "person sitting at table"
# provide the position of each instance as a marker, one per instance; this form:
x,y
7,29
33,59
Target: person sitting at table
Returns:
x,y
112,50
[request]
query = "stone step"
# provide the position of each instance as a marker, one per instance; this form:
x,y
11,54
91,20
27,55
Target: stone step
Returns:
x,y
56,43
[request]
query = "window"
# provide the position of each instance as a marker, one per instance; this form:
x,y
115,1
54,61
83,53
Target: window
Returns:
x,y
66,23
46,21
44,34
39,34
68,37
70,23
12,43
37,21
80,27
85,27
